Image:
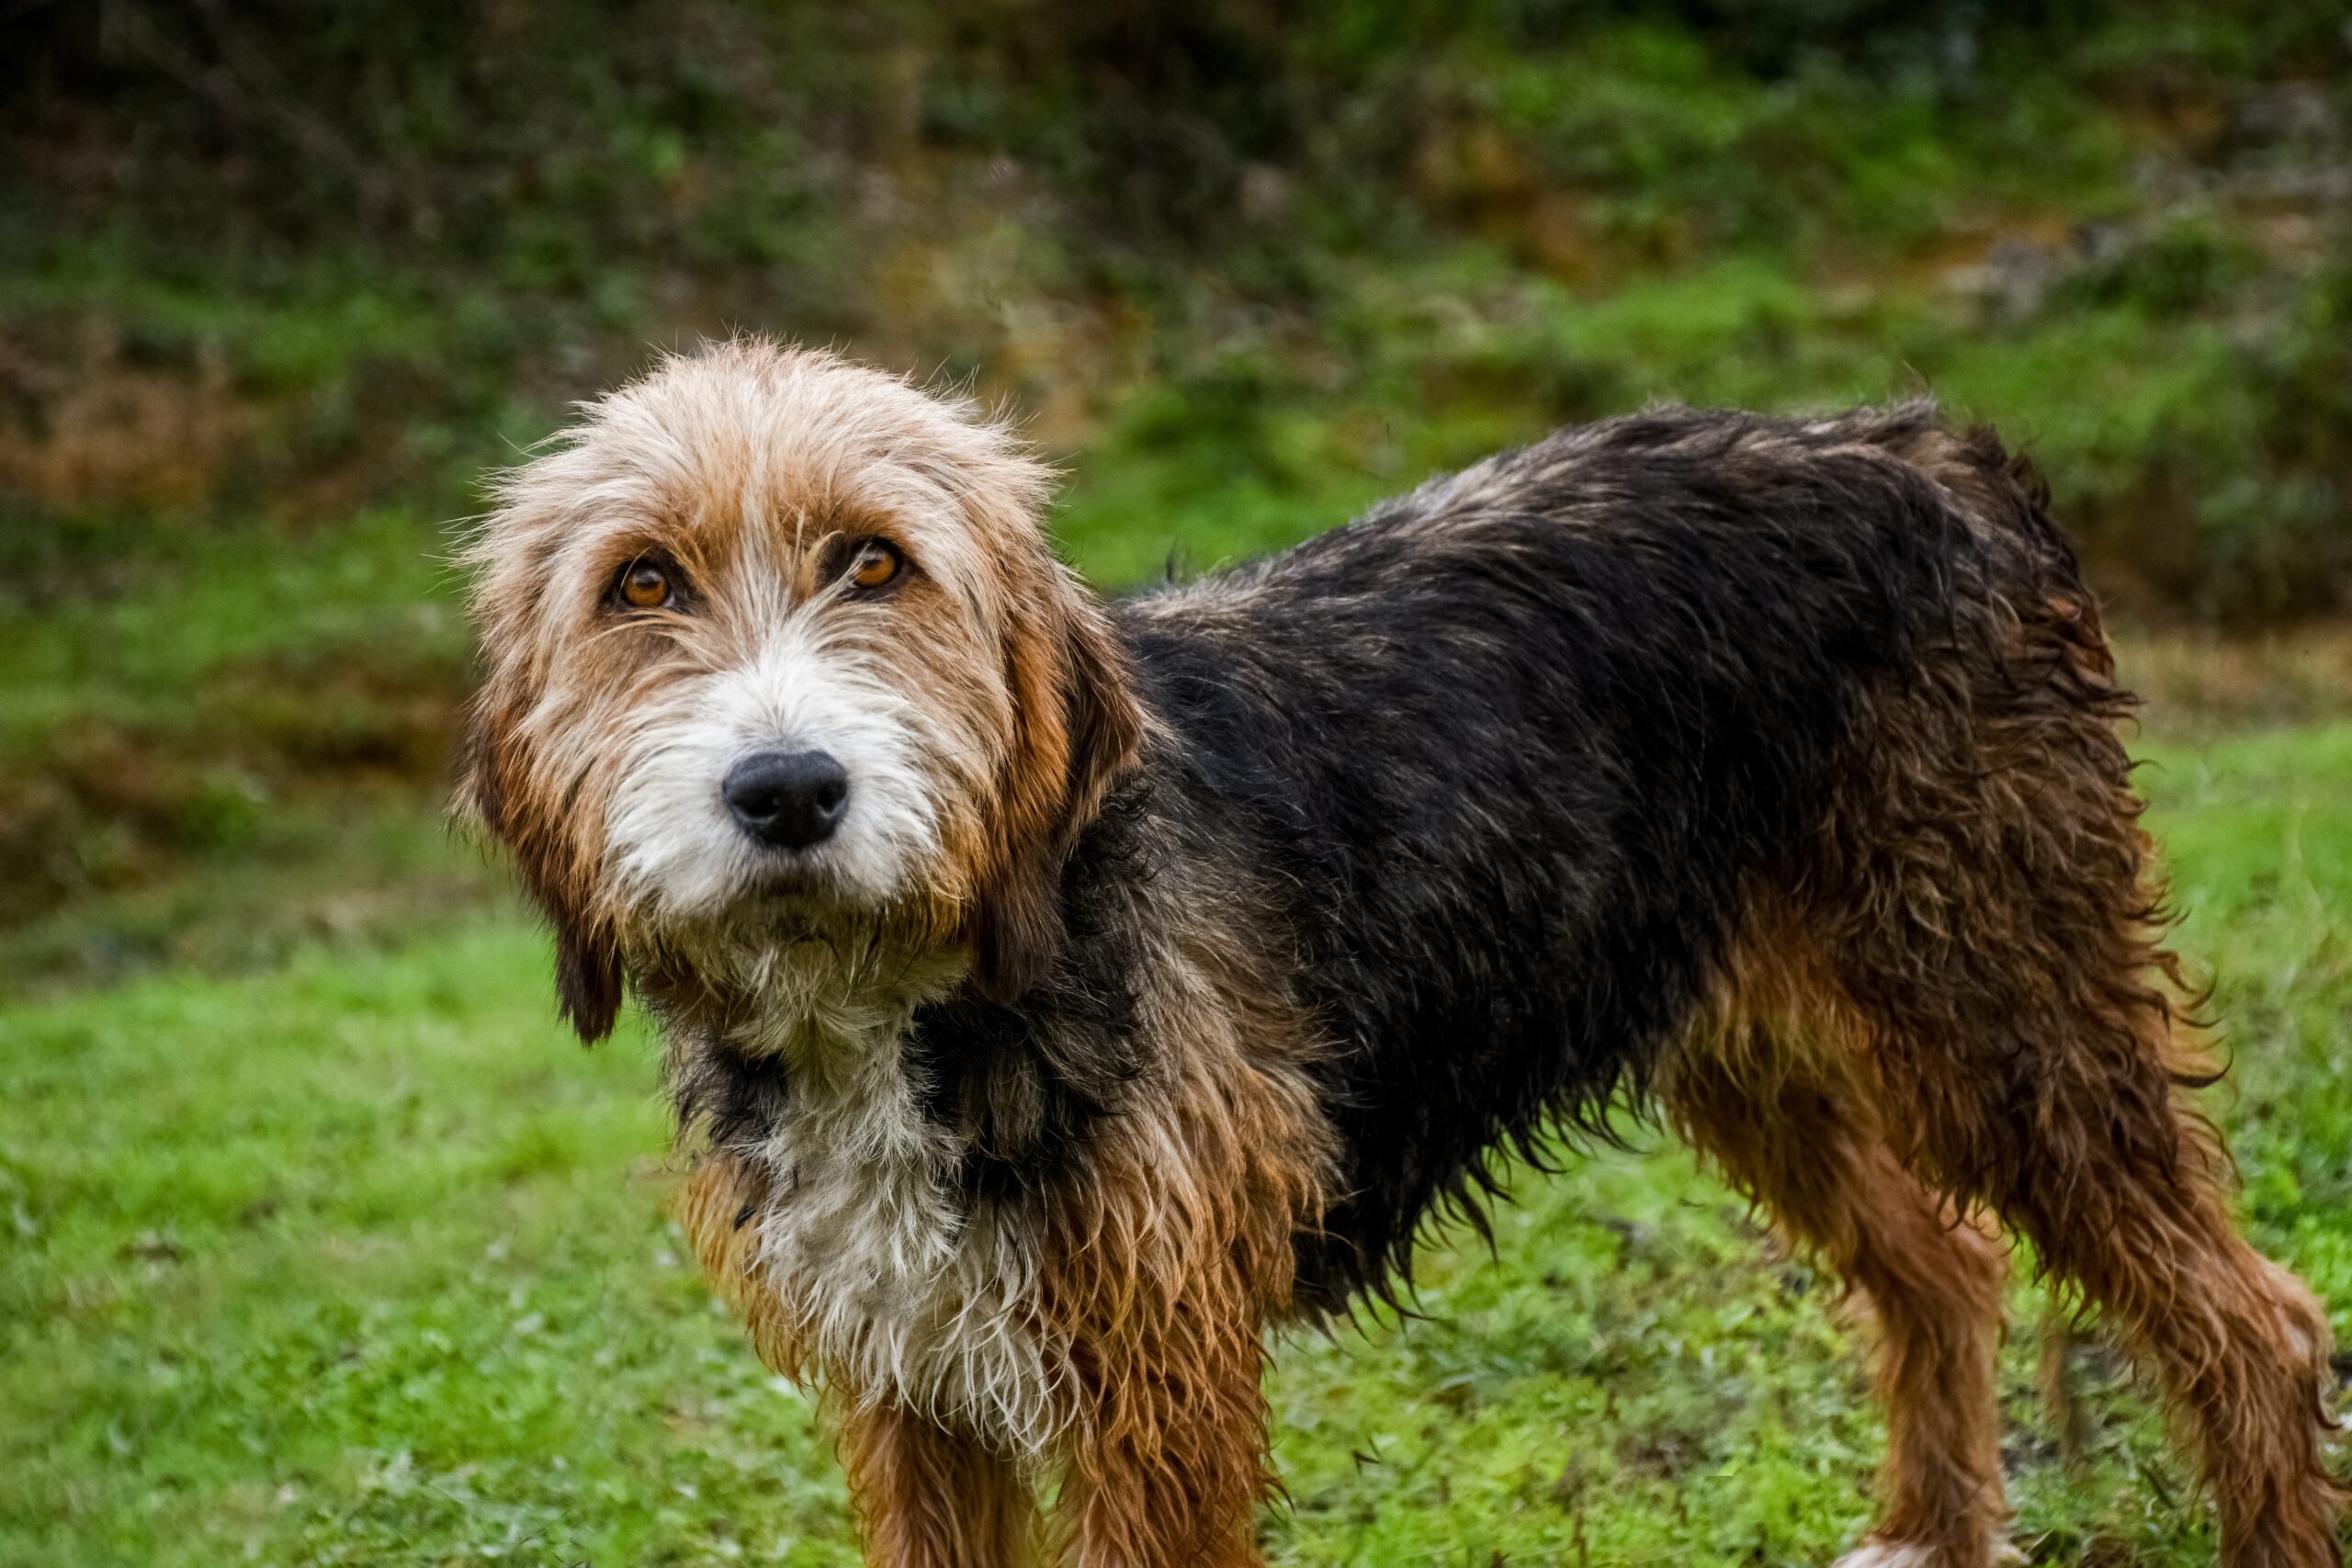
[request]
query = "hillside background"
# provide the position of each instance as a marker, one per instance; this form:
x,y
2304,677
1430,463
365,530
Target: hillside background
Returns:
x,y
279,282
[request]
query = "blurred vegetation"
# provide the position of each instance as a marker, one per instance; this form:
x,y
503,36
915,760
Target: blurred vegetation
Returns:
x,y
278,281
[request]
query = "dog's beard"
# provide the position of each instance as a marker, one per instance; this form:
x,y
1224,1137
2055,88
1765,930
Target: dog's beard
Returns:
x,y
783,971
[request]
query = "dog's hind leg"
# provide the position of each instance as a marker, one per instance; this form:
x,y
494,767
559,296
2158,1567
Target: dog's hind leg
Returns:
x,y
2083,1146
1993,917
1790,1126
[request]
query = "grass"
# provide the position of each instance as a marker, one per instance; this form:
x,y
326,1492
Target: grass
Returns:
x,y
233,741
358,1261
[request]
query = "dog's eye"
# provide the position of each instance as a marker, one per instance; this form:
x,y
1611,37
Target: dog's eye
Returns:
x,y
875,565
645,585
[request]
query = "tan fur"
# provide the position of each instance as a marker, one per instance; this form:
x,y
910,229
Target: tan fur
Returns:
x,y
1776,1087
2008,911
1160,1285
715,1207
1976,909
742,466
1165,1278
932,1498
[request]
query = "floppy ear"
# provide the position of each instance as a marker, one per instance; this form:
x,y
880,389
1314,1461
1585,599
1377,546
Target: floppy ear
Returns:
x,y
587,977
1077,727
587,959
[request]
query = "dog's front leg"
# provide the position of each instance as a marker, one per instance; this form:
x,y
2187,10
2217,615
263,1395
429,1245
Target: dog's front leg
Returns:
x,y
1167,1462
932,1498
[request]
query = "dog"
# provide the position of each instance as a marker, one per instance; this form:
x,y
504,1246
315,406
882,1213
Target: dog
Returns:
x,y
1057,993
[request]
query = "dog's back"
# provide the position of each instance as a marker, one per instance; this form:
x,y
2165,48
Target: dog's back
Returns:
x,y
1517,753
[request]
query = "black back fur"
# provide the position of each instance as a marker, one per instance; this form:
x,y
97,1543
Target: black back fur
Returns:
x,y
1487,774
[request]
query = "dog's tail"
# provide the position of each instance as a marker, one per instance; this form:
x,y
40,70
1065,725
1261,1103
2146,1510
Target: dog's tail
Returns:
x,y
2006,503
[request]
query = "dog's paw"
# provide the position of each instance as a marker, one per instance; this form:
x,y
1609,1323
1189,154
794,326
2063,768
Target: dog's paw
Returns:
x,y
1889,1554
1918,1554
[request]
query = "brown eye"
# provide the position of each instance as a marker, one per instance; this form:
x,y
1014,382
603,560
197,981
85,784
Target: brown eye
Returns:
x,y
877,565
645,585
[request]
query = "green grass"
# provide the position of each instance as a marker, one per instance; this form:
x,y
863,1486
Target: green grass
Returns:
x,y
358,1261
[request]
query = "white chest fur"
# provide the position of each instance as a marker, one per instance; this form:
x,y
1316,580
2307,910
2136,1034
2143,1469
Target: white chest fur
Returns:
x,y
899,1289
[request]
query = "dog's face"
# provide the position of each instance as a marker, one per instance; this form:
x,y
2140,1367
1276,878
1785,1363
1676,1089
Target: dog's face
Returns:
x,y
777,654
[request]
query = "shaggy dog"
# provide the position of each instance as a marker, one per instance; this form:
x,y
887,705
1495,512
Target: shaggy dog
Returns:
x,y
1058,994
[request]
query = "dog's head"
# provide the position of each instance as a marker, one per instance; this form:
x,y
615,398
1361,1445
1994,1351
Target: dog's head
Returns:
x,y
776,653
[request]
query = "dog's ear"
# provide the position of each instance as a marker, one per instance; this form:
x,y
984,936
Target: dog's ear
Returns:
x,y
587,960
1077,728
478,796
587,977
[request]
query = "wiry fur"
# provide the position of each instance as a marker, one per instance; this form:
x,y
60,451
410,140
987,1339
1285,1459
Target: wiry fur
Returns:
x,y
905,1290
1174,965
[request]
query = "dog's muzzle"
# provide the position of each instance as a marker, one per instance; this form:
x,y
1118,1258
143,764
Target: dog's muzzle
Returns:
x,y
787,800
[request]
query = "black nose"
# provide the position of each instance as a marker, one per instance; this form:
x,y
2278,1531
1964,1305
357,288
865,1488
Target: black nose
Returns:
x,y
791,800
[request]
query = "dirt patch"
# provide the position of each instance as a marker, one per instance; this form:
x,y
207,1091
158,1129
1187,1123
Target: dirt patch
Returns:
x,y
115,423
103,805
2208,683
